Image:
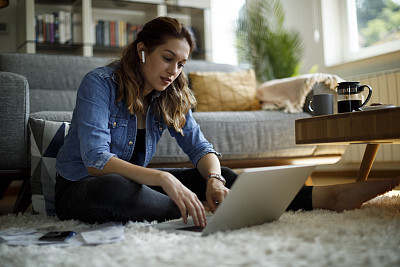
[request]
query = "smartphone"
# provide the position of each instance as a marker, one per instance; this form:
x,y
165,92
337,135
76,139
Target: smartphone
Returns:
x,y
57,236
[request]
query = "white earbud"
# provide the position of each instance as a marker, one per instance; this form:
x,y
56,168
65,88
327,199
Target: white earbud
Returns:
x,y
143,57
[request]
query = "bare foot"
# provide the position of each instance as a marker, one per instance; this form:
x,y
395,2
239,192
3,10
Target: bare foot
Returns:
x,y
350,196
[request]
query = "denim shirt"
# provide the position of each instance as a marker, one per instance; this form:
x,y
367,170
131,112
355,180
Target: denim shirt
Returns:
x,y
101,128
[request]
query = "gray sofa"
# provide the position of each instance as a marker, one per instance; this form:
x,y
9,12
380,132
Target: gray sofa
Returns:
x,y
44,87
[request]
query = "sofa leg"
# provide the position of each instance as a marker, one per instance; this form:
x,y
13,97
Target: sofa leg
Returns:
x,y
24,197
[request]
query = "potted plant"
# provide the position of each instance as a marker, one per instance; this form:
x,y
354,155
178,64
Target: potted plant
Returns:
x,y
263,42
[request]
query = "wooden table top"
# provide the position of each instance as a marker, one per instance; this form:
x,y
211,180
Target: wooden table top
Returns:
x,y
373,126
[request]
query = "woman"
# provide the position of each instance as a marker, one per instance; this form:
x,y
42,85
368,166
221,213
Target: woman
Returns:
x,y
122,110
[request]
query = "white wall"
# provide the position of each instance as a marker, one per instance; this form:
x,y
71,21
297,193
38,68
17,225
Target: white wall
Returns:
x,y
303,16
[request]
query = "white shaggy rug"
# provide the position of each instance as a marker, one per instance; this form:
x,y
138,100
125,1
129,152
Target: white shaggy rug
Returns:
x,y
369,236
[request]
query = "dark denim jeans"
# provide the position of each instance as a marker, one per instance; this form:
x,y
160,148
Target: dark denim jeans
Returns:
x,y
116,198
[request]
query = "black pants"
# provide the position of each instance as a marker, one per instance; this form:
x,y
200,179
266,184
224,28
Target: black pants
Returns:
x,y
116,198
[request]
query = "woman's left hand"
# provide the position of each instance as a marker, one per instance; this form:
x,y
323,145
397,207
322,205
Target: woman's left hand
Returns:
x,y
215,193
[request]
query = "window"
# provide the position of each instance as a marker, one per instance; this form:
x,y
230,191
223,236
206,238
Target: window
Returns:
x,y
223,17
363,29
378,21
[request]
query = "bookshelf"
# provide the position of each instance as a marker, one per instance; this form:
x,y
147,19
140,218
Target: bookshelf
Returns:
x,y
44,25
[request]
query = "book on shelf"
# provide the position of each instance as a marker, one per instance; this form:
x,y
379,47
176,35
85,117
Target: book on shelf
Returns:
x,y
107,33
114,33
39,28
113,37
59,27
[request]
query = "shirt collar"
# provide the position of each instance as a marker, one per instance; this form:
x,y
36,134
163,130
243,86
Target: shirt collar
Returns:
x,y
155,94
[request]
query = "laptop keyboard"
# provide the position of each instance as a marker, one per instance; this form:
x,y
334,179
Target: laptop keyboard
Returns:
x,y
192,228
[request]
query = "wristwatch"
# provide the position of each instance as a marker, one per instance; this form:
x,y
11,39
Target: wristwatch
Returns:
x,y
216,176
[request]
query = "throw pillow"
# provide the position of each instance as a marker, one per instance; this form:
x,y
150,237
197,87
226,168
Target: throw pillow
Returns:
x,y
225,91
46,139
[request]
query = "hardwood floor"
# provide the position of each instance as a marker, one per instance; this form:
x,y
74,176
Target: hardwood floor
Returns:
x,y
338,177
9,198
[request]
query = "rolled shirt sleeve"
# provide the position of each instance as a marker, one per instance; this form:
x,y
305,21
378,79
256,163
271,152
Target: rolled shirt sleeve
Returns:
x,y
193,142
92,109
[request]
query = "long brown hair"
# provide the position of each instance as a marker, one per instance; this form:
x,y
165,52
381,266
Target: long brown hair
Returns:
x,y
176,100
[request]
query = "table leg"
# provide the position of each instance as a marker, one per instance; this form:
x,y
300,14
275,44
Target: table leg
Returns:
x,y
367,161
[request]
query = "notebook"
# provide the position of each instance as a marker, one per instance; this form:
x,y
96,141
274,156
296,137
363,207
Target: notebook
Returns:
x,y
259,195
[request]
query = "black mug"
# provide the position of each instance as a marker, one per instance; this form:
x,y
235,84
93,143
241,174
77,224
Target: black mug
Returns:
x,y
351,96
321,104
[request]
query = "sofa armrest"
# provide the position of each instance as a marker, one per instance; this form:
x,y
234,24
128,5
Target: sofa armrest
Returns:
x,y
14,110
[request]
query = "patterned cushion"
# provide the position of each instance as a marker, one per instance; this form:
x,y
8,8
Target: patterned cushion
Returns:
x,y
225,91
46,139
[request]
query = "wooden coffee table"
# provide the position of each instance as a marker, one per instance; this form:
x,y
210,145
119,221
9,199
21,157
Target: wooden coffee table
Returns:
x,y
372,127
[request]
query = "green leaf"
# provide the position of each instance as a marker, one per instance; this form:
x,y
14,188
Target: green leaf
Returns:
x,y
262,41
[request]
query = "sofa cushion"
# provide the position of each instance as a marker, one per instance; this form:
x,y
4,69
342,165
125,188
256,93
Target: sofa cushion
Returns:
x,y
222,91
242,135
43,99
51,72
46,139
53,79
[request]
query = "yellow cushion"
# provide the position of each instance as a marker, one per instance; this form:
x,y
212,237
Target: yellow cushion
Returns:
x,y
225,91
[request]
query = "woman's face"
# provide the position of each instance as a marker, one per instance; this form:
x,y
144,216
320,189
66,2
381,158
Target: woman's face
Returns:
x,y
164,64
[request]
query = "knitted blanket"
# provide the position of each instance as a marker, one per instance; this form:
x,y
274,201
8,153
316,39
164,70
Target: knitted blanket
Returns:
x,y
289,94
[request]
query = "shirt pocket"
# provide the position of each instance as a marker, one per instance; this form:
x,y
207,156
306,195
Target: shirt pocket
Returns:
x,y
158,128
118,128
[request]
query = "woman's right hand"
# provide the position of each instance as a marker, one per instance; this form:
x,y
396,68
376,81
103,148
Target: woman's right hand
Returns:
x,y
186,200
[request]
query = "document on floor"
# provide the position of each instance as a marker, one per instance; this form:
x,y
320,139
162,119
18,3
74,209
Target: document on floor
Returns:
x,y
101,234
105,234
28,237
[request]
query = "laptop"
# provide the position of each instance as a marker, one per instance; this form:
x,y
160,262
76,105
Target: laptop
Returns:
x,y
259,195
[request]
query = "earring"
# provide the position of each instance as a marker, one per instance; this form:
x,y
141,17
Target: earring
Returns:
x,y
143,57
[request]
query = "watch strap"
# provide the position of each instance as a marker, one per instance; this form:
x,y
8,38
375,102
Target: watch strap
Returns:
x,y
215,176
